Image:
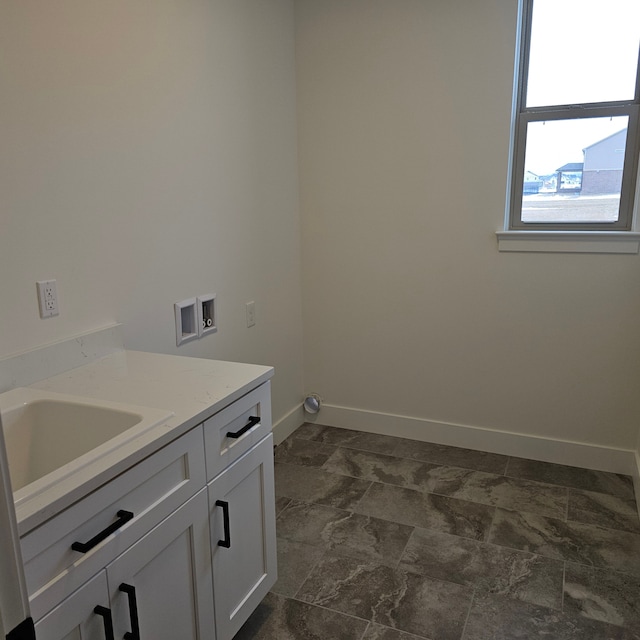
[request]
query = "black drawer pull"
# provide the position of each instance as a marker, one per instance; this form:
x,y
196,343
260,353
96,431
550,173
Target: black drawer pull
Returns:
x,y
253,421
107,620
134,634
226,543
83,547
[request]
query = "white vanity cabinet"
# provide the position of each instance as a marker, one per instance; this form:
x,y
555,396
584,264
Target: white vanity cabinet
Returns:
x,y
160,588
181,545
76,617
239,457
242,507
156,589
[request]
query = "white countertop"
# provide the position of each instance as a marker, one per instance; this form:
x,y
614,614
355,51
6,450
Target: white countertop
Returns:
x,y
192,389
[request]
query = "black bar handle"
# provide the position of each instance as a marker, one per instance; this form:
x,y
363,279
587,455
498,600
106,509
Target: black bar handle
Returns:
x,y
83,547
226,543
134,634
253,421
107,620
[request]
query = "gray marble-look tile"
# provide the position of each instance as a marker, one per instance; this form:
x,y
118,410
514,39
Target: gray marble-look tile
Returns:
x,y
347,438
500,491
574,477
381,468
602,594
308,522
281,503
602,509
286,619
378,632
303,452
295,561
314,485
397,599
308,431
488,568
571,541
426,510
344,532
500,618
441,454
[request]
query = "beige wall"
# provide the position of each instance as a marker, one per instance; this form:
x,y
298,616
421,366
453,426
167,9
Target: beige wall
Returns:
x,y
149,155
409,309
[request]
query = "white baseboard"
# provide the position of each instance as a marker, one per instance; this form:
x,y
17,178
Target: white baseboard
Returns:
x,y
287,425
577,454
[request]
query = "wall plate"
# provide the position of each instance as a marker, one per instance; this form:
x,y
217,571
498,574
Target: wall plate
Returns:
x,y
186,321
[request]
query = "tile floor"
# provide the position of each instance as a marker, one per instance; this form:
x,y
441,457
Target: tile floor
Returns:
x,y
382,538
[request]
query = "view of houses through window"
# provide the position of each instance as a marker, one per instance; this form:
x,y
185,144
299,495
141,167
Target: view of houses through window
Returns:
x,y
585,187
576,150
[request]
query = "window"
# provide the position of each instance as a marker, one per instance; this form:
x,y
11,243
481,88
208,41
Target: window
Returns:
x,y
577,134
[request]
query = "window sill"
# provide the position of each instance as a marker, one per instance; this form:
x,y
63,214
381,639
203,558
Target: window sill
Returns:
x,y
569,241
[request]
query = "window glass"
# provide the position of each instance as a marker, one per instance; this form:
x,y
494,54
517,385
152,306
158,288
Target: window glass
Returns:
x,y
573,170
583,51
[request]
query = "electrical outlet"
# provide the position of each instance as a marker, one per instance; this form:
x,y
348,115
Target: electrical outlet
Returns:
x,y
251,313
47,298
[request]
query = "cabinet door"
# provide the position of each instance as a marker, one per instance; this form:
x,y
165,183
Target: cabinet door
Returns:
x,y
74,618
152,490
164,579
242,507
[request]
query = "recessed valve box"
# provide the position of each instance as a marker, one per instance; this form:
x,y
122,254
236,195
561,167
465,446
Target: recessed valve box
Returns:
x,y
207,317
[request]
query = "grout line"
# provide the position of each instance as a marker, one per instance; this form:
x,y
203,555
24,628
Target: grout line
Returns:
x,y
397,565
505,473
466,621
361,498
347,445
350,615
439,465
315,564
285,506
320,606
364,633
333,611
506,469
564,577
445,495
490,527
399,631
331,554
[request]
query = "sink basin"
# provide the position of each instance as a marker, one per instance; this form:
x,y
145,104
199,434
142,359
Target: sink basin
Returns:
x,y
49,436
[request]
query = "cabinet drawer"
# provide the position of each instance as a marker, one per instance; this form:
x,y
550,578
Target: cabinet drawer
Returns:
x,y
151,490
235,429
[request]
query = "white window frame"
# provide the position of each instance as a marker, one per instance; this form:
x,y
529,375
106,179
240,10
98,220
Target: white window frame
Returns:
x,y
543,231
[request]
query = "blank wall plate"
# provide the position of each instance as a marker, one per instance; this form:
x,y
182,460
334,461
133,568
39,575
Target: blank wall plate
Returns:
x,y
251,313
207,314
186,321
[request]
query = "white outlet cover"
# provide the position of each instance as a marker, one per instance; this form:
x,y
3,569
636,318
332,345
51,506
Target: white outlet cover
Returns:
x,y
251,313
47,298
